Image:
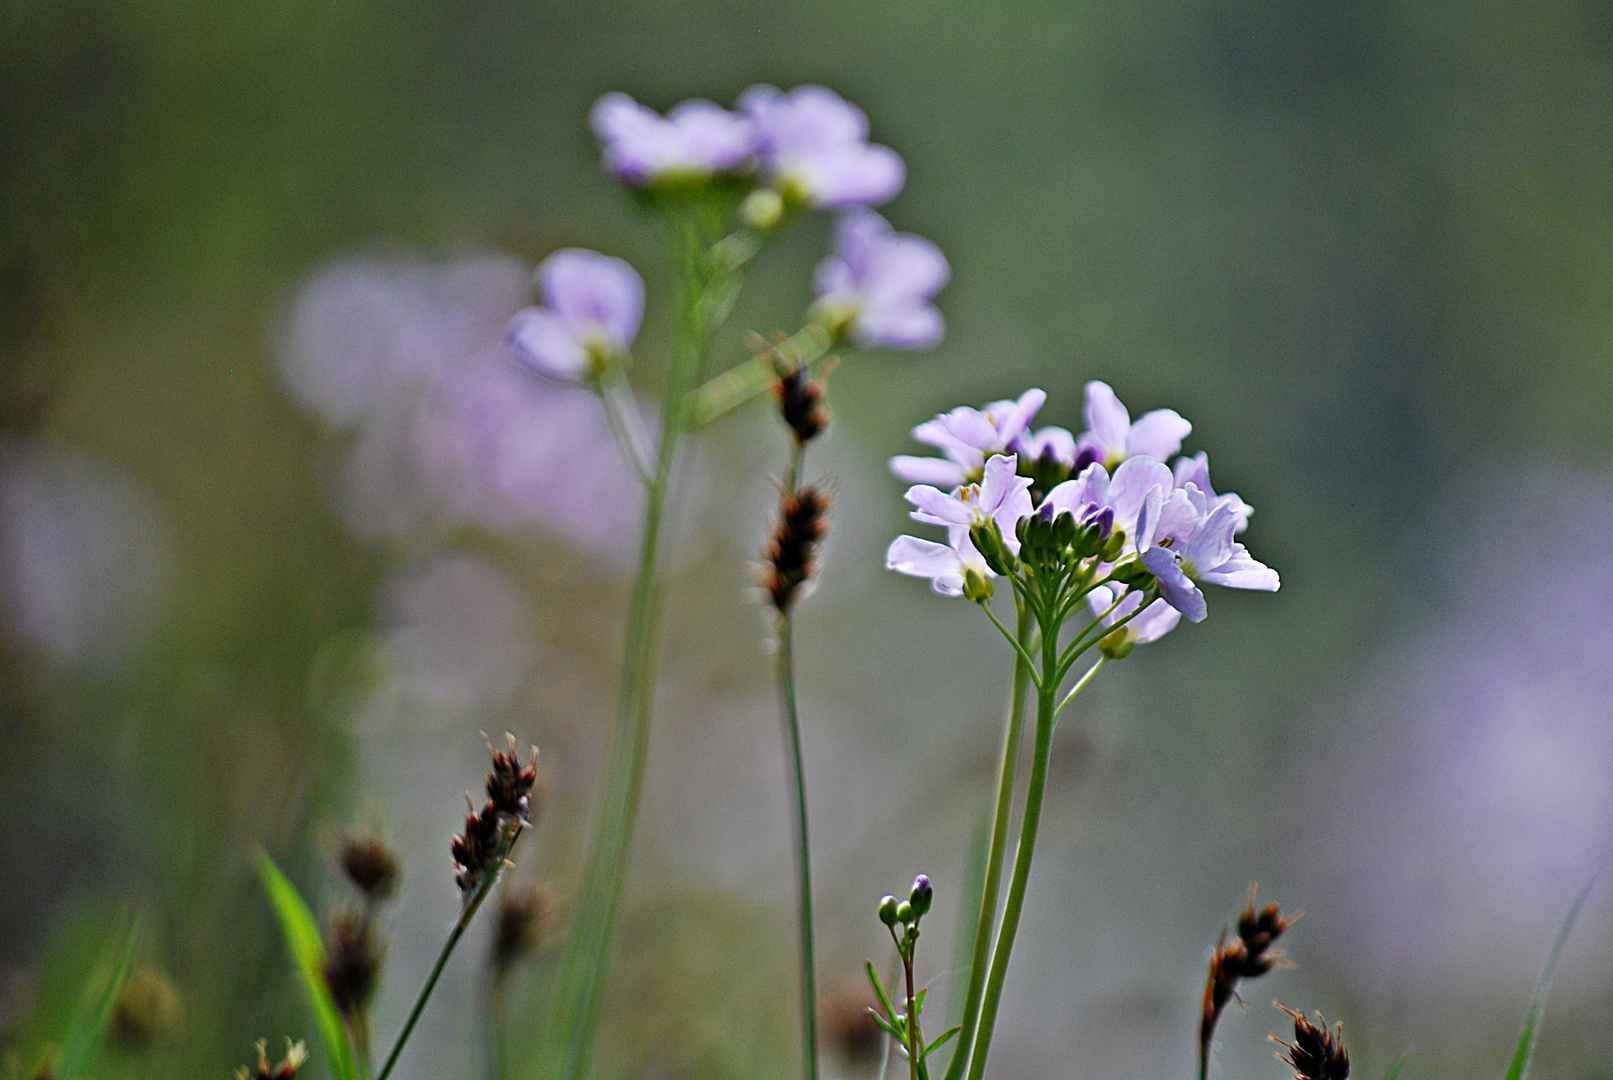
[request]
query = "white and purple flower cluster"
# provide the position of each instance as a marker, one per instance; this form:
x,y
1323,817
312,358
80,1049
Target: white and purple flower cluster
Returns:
x,y
805,148
1154,532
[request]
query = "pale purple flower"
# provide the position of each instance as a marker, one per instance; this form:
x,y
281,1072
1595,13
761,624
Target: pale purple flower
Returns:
x,y
1112,438
697,138
592,307
1204,551
1002,497
967,437
1052,444
1157,620
813,144
879,283
1195,470
944,564
1135,493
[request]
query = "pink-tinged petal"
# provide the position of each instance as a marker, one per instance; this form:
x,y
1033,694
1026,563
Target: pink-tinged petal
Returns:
x,y
1158,434
1178,518
1243,571
1106,417
1000,482
1192,470
925,470
1012,425
1103,596
1239,507
969,427
1130,485
927,559
1093,485
1211,543
936,507
1176,587
1158,620
544,342
915,326
594,292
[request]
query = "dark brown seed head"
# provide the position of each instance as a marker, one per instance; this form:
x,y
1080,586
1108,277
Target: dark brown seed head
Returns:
x,y
476,850
510,783
147,1009
1316,1053
791,553
296,1057
352,962
371,866
800,400
1259,929
848,1025
1247,956
523,913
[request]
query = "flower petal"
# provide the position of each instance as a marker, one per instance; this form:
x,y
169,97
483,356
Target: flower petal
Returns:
x,y
1158,434
1130,485
1106,417
1243,571
592,291
936,507
1175,587
544,342
938,472
925,558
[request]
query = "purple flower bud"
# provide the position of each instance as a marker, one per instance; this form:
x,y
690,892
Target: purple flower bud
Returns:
x,y
813,144
592,306
697,138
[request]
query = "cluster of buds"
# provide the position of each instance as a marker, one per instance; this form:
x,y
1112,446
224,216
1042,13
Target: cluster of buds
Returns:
x,y
902,917
372,867
1316,1053
296,1057
1247,956
353,951
791,553
490,832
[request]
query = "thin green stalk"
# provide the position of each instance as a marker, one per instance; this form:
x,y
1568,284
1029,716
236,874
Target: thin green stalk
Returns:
x,y
1034,793
1012,730
454,935
580,984
803,849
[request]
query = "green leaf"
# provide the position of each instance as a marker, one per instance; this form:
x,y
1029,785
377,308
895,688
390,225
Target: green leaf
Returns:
x,y
308,951
1519,1069
1394,1070
879,988
100,993
918,1000
884,1023
940,1040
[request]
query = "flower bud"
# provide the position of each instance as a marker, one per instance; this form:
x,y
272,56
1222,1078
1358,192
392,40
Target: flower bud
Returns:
x,y
1064,529
988,540
977,587
904,911
921,896
887,911
762,209
1118,645
1111,547
1129,571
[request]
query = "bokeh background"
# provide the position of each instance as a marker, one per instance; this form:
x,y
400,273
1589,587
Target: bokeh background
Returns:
x,y
279,535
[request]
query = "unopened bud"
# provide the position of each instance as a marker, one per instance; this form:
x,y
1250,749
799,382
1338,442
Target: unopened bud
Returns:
x,y
1129,571
922,895
1118,645
1064,529
762,209
977,587
904,911
887,911
988,540
1111,547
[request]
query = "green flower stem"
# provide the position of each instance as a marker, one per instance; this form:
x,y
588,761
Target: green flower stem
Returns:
x,y
740,383
915,1038
580,983
465,916
1013,728
1045,706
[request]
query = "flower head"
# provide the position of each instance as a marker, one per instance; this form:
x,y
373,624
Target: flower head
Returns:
x,y
1195,470
813,144
877,284
968,437
592,306
1157,620
1188,552
696,139
1001,498
1112,438
948,566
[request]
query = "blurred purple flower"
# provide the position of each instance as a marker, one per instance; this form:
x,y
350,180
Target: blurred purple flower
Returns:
x,y
406,358
86,555
878,283
1112,438
1154,623
697,138
967,437
592,306
812,143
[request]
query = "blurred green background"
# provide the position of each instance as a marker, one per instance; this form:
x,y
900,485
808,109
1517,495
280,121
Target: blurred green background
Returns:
x,y
1367,248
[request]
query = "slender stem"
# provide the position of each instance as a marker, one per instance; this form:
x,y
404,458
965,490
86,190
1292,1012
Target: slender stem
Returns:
x,y
622,417
465,916
580,983
986,922
1024,655
1079,683
914,1045
803,849
359,1029
1022,859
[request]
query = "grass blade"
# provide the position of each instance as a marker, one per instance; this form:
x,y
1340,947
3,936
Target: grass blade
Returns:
x,y
1519,1069
308,951
100,993
1394,1070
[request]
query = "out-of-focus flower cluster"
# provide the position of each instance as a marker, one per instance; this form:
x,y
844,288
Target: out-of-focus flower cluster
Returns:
x,y
1140,532
401,357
